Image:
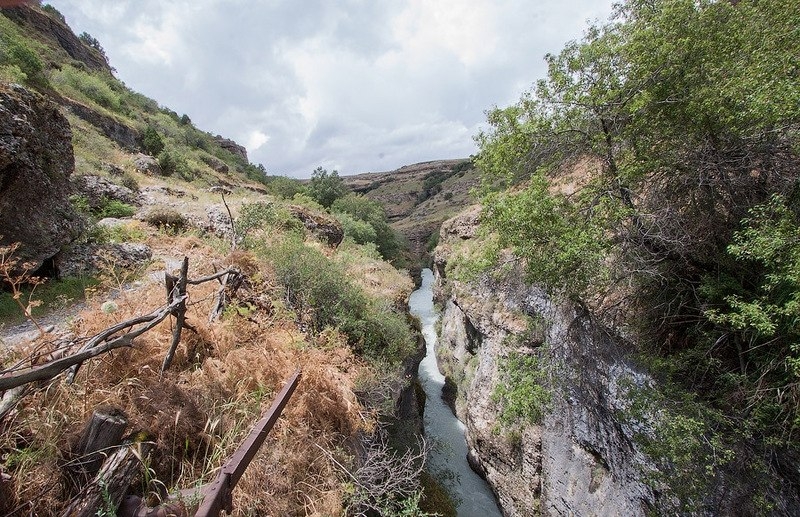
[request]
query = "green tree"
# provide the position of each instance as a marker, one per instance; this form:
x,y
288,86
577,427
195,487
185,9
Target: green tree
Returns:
x,y
364,210
647,158
152,142
326,187
285,187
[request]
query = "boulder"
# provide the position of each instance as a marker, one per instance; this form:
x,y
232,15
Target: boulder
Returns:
x,y
215,163
36,161
99,191
147,164
325,228
88,259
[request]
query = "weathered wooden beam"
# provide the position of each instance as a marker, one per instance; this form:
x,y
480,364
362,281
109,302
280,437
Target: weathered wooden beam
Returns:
x,y
180,313
107,490
102,433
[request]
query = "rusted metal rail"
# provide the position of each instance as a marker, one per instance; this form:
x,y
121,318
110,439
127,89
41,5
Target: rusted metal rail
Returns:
x,y
217,495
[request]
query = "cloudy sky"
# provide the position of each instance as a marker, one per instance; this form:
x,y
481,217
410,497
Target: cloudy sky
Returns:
x,y
350,85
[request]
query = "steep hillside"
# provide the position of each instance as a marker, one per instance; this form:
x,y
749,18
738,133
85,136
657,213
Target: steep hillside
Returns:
x,y
620,313
119,191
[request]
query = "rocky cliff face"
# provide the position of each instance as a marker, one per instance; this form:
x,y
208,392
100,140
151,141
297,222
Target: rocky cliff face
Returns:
x,y
580,459
36,160
57,31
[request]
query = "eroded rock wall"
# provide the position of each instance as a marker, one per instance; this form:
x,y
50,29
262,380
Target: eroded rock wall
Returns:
x,y
580,458
36,161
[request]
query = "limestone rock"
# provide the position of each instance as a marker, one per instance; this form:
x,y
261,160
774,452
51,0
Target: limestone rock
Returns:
x,y
147,164
581,458
232,147
36,161
326,228
98,191
125,136
215,163
87,260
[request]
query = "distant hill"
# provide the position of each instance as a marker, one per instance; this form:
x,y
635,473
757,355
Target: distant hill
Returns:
x,y
419,197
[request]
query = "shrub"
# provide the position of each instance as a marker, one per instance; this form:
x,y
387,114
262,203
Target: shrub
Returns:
x,y
152,142
114,208
172,162
92,88
130,182
284,187
323,296
165,218
523,393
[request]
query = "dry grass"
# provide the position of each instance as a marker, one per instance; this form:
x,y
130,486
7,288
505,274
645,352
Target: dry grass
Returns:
x,y
222,379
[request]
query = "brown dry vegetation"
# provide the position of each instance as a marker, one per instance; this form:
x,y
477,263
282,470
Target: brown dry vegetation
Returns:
x,y
223,377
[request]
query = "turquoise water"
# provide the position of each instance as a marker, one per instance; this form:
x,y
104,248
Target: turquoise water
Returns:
x,y
449,457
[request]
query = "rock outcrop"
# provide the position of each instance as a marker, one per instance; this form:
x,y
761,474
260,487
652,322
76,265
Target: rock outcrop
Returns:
x,y
123,135
325,228
232,147
98,191
580,459
36,161
34,20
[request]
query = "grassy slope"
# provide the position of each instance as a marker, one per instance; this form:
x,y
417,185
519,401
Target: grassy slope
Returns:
x,y
226,373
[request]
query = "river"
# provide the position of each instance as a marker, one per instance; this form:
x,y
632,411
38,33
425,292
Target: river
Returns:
x,y
449,457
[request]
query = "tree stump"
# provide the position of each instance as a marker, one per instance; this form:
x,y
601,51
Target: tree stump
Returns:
x,y
108,488
103,431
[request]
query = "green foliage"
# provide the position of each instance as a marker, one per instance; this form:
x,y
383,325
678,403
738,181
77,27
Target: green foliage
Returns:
x,y
761,314
92,88
285,188
564,245
49,9
326,187
524,393
17,59
648,158
321,292
54,294
173,162
365,221
360,231
260,215
92,42
691,444
114,208
152,142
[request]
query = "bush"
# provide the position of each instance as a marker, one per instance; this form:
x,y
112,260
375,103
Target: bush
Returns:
x,y
17,60
152,142
130,182
89,87
172,162
165,219
284,187
323,296
259,215
523,393
114,208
